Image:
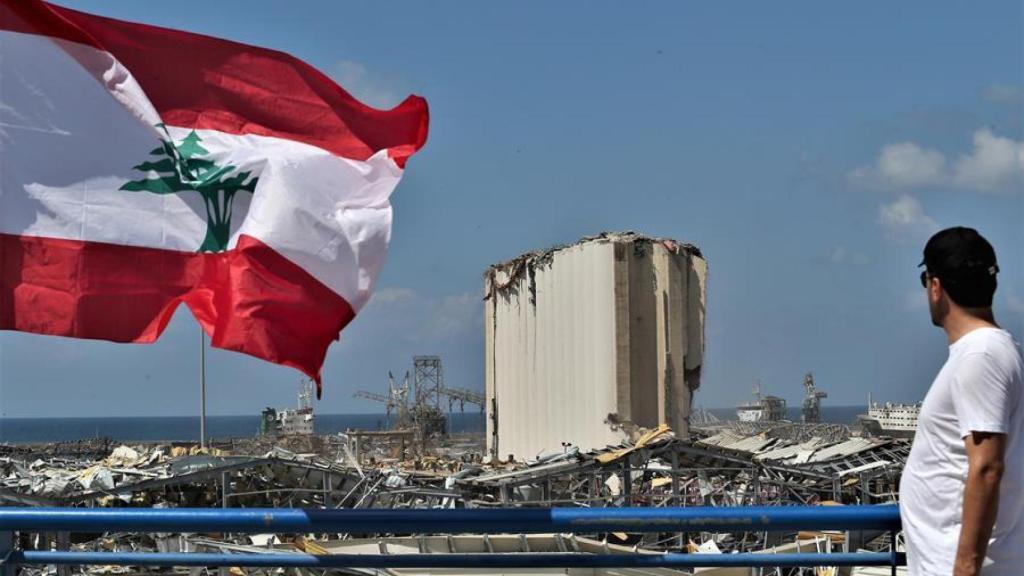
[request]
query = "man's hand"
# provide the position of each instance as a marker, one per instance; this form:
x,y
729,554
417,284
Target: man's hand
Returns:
x,y
985,464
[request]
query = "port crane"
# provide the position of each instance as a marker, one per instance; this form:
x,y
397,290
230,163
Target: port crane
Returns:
x,y
430,387
812,401
463,397
396,400
418,405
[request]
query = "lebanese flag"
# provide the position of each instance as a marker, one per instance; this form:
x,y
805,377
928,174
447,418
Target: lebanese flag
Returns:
x,y
142,167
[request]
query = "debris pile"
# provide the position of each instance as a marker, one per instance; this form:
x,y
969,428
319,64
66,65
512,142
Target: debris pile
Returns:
x,y
776,464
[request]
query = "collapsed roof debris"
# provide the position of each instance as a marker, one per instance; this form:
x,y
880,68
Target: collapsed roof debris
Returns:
x,y
770,464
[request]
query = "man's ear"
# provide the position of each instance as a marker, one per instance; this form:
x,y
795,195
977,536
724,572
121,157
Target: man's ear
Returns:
x,y
935,289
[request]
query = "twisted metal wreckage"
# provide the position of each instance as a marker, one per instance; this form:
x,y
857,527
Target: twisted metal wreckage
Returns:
x,y
720,465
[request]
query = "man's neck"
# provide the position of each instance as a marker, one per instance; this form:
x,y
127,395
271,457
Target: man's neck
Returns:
x,y
962,321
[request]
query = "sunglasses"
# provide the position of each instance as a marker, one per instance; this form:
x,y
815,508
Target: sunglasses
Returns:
x,y
924,278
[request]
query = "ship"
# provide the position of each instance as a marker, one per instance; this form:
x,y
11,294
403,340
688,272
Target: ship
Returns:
x,y
890,419
290,421
766,408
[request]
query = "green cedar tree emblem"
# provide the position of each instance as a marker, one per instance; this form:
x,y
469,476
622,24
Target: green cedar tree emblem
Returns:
x,y
182,168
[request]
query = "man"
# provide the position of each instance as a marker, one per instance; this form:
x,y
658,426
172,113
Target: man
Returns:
x,y
962,492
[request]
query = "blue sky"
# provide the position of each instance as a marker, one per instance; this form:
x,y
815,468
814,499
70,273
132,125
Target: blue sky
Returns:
x,y
808,148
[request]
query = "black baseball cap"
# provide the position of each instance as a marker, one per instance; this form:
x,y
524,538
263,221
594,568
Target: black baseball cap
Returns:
x,y
959,253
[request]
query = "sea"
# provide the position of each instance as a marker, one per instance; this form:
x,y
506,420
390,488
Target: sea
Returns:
x,y
829,414
186,428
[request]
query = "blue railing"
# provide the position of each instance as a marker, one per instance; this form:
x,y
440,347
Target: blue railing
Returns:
x,y
475,521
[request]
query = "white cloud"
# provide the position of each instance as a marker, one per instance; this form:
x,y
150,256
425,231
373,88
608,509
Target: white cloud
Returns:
x,y
1015,308
907,164
915,300
905,219
392,295
995,164
903,165
1015,304
371,89
456,314
1004,93
841,255
425,318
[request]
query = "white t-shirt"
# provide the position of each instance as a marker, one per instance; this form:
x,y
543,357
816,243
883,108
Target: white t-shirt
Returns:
x,y
979,389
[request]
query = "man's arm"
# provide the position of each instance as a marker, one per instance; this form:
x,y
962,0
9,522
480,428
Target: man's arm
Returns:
x,y
985,457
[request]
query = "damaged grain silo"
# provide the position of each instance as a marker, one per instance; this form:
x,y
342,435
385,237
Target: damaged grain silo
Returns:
x,y
585,343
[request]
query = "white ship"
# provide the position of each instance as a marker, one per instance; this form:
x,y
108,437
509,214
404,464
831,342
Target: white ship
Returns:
x,y
289,421
889,419
764,409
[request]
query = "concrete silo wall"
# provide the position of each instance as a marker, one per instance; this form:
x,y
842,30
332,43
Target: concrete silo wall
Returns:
x,y
587,342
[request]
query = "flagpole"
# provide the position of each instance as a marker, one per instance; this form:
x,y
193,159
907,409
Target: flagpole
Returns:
x,y
202,388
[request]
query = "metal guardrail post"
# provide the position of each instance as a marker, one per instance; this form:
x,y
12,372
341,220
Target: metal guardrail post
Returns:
x,y
627,481
892,548
63,545
7,554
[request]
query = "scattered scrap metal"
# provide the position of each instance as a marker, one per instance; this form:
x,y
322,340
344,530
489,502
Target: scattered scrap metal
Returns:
x,y
718,466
